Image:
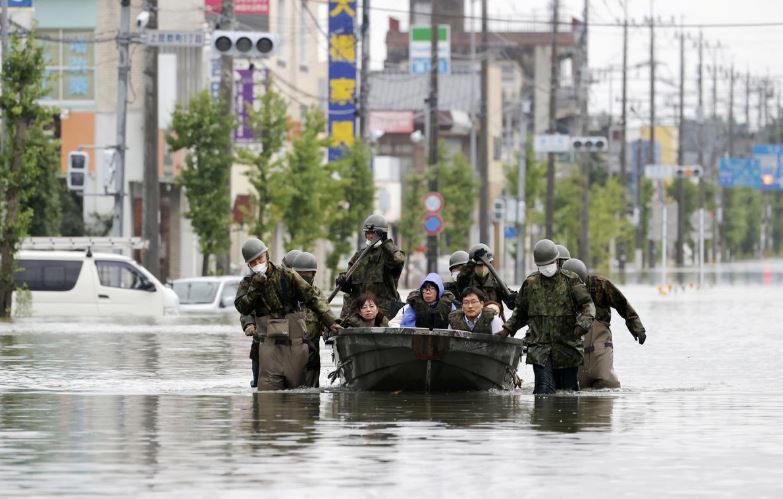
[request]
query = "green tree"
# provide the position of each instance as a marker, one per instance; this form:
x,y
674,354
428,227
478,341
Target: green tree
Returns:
x,y
46,196
26,152
205,132
355,191
270,125
458,186
412,216
306,187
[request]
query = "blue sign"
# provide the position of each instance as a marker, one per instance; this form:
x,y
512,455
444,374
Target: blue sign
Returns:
x,y
510,232
422,65
770,159
342,76
20,4
740,172
433,224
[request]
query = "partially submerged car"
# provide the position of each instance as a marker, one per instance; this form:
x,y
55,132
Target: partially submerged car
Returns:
x,y
207,295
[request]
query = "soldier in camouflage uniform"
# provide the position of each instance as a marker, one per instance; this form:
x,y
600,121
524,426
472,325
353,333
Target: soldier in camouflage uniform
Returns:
x,y
457,260
598,368
473,316
288,259
306,266
556,306
378,271
476,275
273,296
563,255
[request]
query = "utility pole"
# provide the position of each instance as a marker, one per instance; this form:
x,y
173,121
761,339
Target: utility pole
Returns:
x,y
731,111
700,121
227,96
680,259
364,88
432,241
621,256
747,101
6,27
584,239
521,202
123,68
716,219
484,138
650,146
472,107
725,194
151,192
550,160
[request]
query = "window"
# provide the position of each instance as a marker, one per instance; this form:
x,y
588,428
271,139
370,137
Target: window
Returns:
x,y
70,64
120,275
229,291
48,275
195,292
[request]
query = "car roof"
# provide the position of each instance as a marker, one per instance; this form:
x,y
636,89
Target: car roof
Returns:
x,y
67,255
209,278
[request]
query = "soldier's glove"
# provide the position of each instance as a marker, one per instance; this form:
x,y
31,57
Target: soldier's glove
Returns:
x,y
258,279
342,283
512,299
640,337
380,234
479,254
504,332
335,328
250,330
579,331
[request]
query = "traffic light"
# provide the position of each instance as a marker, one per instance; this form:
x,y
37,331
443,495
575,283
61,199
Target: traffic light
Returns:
x,y
249,44
77,170
588,144
688,171
498,210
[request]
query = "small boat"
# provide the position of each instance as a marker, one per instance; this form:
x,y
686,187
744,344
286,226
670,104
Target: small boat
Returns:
x,y
413,359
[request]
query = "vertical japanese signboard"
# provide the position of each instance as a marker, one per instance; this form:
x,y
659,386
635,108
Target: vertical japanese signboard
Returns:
x,y
342,75
243,97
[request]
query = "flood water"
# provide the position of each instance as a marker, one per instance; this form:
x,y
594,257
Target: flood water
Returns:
x,y
164,409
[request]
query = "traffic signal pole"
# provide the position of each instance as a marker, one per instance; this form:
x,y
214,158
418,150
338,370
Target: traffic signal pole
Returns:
x,y
227,96
151,192
432,240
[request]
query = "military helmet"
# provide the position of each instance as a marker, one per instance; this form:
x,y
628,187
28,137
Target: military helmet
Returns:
x,y
473,249
305,262
376,222
458,258
562,252
253,248
544,252
576,266
288,259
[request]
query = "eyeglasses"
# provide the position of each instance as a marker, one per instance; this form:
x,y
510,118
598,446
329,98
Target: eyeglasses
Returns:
x,y
471,302
429,288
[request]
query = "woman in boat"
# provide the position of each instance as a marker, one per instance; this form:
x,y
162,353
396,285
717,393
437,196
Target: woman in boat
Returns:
x,y
366,313
429,306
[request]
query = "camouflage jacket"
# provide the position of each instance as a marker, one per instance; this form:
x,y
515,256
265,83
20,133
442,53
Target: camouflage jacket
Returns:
x,y
483,322
488,284
378,273
279,294
430,317
552,308
605,297
315,326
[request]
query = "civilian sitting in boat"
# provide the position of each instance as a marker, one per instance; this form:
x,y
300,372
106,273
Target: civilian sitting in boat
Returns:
x,y
429,306
366,314
474,316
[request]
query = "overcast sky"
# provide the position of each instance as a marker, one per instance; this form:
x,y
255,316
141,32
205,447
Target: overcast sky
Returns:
x,y
750,48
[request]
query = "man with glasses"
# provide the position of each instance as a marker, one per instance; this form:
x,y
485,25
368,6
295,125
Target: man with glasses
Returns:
x,y
429,306
474,317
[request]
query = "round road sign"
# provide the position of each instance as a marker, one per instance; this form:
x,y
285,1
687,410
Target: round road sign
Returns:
x,y
433,202
433,224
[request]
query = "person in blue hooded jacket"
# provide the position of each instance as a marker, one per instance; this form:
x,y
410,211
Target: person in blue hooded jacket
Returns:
x,y
429,306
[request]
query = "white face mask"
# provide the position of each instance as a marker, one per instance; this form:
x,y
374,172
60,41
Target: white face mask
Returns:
x,y
548,270
259,269
454,275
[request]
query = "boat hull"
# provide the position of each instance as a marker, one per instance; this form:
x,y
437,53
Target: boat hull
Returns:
x,y
411,359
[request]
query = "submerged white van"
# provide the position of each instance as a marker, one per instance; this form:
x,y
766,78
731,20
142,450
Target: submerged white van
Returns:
x,y
82,283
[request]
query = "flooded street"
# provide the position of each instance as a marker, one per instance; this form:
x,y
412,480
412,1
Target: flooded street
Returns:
x,y
162,409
